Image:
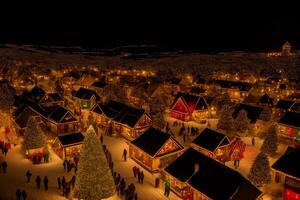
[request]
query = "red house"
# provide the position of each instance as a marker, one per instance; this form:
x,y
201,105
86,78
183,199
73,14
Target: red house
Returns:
x,y
187,107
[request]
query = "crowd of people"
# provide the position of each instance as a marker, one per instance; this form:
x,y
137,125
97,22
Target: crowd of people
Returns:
x,y
69,165
129,192
4,146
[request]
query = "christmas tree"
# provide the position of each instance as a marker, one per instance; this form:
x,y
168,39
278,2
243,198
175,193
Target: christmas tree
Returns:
x,y
260,170
271,141
34,136
242,122
94,179
266,114
225,120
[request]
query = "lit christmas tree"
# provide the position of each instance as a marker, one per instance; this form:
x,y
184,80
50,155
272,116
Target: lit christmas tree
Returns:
x,y
34,136
242,122
266,114
260,170
271,141
226,121
94,179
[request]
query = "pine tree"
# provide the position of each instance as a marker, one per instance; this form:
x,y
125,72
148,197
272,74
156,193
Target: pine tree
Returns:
x,y
266,114
158,121
226,121
260,170
34,136
94,179
270,143
242,122
6,98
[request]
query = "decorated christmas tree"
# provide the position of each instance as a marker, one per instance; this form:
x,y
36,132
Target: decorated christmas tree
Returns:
x,y
34,136
260,170
242,122
266,114
226,121
94,179
270,143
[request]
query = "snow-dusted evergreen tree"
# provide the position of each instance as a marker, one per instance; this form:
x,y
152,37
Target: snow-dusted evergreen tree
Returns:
x,y
260,171
226,121
94,179
266,114
6,98
242,122
270,143
34,136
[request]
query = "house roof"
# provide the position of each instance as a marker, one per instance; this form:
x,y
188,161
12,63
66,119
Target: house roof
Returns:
x,y
86,94
55,97
289,162
59,114
242,86
284,104
197,90
192,102
99,84
290,119
151,141
253,112
266,99
37,93
22,119
229,183
120,112
71,139
210,140
211,175
295,107
174,81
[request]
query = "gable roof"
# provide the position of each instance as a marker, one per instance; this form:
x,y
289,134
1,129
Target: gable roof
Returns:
x,y
120,112
253,112
289,163
210,140
211,175
242,86
86,94
22,119
58,114
295,107
152,140
55,97
99,84
290,119
229,183
284,104
192,102
71,139
36,93
266,99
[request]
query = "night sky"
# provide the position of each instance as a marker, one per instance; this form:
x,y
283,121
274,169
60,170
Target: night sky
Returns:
x,y
198,28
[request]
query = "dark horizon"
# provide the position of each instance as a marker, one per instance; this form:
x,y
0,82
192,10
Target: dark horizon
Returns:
x,y
215,31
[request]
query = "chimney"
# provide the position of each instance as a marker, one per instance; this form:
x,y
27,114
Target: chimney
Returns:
x,y
196,167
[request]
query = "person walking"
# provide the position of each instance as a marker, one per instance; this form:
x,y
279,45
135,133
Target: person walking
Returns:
x,y
134,171
253,141
135,196
59,183
28,175
65,164
24,195
4,166
75,169
138,175
101,139
63,184
167,188
38,182
18,193
142,177
46,183
125,155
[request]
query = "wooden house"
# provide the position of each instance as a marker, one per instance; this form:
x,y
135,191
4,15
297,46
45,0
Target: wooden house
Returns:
x,y
187,107
86,98
286,171
122,119
195,176
213,144
21,119
236,90
67,146
154,149
289,125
